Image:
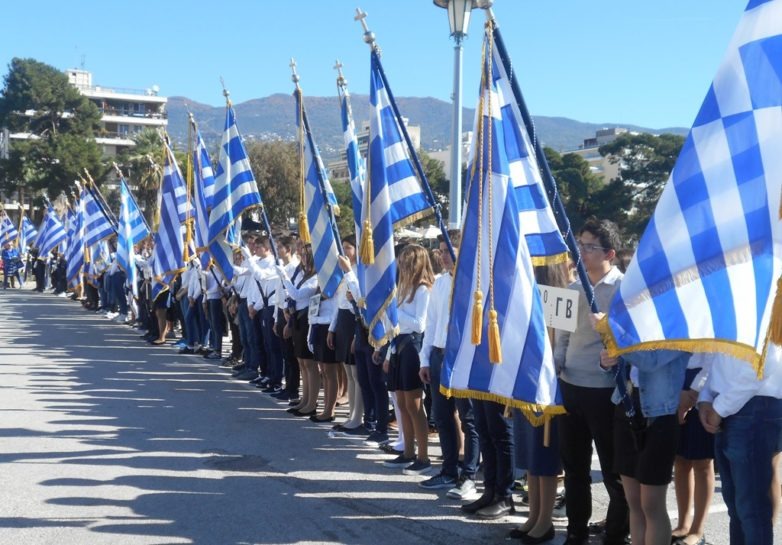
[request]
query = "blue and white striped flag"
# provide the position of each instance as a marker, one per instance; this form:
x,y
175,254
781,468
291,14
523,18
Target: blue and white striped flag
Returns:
x,y
53,233
537,223
8,231
203,195
323,232
169,243
131,230
97,225
75,254
235,191
29,232
356,168
525,377
396,198
705,272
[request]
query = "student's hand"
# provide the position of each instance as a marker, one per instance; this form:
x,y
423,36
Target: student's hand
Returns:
x,y
344,263
330,340
687,400
423,374
287,332
386,365
607,362
191,301
595,317
252,312
245,252
709,418
377,357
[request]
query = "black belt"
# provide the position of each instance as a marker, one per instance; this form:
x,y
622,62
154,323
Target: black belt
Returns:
x,y
438,350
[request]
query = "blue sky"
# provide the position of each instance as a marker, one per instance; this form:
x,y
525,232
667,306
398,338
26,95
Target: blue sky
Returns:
x,y
624,61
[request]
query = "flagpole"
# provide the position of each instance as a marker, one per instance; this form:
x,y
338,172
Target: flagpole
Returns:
x,y
557,206
95,192
369,38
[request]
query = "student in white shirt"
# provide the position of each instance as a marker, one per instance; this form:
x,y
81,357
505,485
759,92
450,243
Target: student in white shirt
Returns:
x,y
402,363
300,293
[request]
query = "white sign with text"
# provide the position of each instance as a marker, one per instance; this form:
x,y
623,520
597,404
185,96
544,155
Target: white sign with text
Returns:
x,y
560,307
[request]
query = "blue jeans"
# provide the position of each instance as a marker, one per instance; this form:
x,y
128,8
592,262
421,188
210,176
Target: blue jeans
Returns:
x,y
193,321
496,440
271,346
377,382
216,324
743,452
444,409
248,336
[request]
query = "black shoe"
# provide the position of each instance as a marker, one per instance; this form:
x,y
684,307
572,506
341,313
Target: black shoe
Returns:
x,y
186,350
531,540
308,413
293,402
320,420
282,395
486,499
500,507
256,380
272,389
573,539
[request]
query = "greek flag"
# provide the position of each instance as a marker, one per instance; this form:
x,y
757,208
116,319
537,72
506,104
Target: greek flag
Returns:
x,y
317,201
356,166
8,231
525,377
235,191
706,269
131,230
537,222
53,233
97,225
28,233
169,243
75,254
203,192
396,198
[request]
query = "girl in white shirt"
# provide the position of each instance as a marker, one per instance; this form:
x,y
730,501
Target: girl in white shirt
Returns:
x,y
415,282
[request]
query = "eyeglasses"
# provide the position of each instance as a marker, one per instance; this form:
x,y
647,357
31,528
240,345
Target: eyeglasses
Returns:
x,y
589,248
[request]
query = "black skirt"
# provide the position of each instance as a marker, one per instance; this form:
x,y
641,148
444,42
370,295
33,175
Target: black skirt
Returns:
x,y
404,364
301,327
343,336
322,352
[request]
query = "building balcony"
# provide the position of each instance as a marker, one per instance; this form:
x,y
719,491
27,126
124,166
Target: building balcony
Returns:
x,y
151,120
131,95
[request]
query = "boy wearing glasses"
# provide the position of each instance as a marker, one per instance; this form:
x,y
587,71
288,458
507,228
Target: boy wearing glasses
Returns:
x,y
586,394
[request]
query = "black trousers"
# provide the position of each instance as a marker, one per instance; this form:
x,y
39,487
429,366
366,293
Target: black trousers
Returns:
x,y
590,417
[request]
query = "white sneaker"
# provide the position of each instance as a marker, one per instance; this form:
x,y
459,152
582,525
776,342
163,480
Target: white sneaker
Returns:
x,y
464,489
111,315
120,318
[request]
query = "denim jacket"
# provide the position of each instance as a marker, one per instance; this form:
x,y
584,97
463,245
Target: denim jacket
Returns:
x,y
660,380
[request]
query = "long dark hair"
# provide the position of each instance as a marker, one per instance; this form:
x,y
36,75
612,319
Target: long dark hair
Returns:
x,y
307,261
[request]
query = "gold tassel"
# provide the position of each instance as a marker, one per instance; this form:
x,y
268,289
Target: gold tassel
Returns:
x,y
477,317
367,247
775,325
304,230
495,349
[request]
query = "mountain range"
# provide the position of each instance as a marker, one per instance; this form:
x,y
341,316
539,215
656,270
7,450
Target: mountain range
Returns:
x,y
273,118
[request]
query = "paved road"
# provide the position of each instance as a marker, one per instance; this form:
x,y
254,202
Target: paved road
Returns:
x,y
108,440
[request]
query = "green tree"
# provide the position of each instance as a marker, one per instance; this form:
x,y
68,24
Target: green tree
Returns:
x,y
578,187
645,163
141,174
275,166
61,123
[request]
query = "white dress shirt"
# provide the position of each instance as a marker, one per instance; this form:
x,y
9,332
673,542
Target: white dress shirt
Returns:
x,y
437,315
732,382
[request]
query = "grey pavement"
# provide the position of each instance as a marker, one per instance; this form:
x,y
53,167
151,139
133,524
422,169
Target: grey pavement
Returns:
x,y
106,439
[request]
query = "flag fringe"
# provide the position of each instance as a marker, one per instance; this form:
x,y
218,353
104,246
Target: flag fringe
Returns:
x,y
536,413
554,259
379,316
734,349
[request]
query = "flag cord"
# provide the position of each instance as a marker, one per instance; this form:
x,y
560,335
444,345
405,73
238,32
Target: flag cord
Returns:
x,y
477,308
495,350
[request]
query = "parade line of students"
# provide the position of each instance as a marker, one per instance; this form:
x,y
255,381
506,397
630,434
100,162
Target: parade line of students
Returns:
x,y
291,342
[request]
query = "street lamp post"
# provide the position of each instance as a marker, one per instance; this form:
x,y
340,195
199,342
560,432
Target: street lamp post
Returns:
x,y
459,20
